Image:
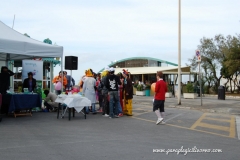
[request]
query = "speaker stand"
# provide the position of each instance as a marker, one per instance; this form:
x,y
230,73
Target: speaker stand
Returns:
x,y
71,80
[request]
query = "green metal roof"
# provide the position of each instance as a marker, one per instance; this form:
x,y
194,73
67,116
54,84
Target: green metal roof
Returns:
x,y
132,58
52,60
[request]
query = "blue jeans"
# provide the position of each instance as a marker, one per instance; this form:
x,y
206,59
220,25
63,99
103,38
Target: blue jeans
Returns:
x,y
93,108
114,99
119,107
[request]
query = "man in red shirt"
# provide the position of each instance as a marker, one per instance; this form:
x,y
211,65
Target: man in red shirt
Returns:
x,y
159,98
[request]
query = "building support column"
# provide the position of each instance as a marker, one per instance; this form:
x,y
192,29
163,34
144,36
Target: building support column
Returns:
x,y
51,77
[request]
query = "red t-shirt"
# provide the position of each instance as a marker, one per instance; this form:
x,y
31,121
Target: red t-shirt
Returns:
x,y
160,90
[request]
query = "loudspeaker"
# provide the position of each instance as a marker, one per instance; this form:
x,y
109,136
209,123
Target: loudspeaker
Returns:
x,y
71,62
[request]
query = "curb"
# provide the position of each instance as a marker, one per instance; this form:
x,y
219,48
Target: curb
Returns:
x,y
209,95
217,110
227,111
238,126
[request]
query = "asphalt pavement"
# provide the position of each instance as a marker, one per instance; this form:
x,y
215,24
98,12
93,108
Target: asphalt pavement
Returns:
x,y
210,103
190,132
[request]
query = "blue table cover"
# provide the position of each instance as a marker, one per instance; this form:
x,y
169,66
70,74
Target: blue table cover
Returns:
x,y
21,101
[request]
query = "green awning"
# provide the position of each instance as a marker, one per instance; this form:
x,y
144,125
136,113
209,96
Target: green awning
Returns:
x,y
52,60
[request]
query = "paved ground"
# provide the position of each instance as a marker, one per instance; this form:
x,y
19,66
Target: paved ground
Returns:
x,y
43,136
219,117
209,104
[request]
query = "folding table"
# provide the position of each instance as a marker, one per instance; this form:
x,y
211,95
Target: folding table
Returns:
x,y
18,102
72,102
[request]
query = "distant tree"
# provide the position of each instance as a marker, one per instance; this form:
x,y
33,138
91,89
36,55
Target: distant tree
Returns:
x,y
232,60
25,34
47,41
208,78
225,74
212,56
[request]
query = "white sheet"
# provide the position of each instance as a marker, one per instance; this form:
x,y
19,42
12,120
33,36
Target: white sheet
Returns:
x,y
74,101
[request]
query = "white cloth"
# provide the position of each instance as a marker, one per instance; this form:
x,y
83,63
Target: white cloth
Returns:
x,y
74,101
88,89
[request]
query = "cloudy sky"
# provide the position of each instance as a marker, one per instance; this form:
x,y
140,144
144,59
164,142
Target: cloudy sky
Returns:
x,y
101,31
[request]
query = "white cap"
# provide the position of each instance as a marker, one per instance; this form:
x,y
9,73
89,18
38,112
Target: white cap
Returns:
x,y
111,69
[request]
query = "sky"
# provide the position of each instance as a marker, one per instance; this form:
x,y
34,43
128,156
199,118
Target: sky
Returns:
x,y
102,31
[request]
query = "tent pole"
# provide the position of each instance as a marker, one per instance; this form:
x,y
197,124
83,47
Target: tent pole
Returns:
x,y
71,80
51,77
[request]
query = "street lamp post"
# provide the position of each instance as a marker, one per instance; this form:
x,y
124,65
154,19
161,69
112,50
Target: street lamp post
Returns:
x,y
179,52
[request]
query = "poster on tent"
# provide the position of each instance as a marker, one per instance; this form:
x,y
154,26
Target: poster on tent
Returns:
x,y
36,67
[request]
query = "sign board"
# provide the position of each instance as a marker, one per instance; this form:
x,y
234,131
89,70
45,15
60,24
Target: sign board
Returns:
x,y
198,55
36,67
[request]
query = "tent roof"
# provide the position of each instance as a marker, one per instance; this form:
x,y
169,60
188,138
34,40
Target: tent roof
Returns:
x,y
16,46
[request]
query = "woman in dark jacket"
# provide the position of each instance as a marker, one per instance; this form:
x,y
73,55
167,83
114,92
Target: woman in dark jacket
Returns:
x,y
127,93
5,79
29,82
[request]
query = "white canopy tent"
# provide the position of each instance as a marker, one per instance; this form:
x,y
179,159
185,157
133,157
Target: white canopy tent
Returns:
x,y
16,46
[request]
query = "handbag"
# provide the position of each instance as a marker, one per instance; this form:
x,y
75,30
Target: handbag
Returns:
x,y
58,86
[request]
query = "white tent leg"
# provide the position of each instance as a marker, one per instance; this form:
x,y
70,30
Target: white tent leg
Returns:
x,y
51,77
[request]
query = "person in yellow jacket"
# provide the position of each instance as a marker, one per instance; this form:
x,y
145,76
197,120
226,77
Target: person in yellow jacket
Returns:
x,y
127,93
57,79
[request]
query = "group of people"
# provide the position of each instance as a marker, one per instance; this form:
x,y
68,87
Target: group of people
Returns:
x,y
66,81
113,91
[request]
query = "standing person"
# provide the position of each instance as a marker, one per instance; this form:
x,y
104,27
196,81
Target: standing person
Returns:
x,y
159,98
105,101
81,82
127,93
57,79
29,82
49,101
5,79
70,81
112,85
89,91
99,92
120,91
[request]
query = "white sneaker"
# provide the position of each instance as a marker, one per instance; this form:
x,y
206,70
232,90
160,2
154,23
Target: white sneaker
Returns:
x,y
106,115
163,122
159,120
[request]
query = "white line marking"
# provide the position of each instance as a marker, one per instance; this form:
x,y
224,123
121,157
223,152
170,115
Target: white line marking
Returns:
x,y
175,116
238,126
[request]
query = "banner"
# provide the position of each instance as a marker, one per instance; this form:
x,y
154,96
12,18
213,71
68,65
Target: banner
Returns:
x,y
36,67
198,55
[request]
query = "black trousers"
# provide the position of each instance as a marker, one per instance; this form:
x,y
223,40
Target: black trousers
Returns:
x,y
105,104
100,99
48,106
